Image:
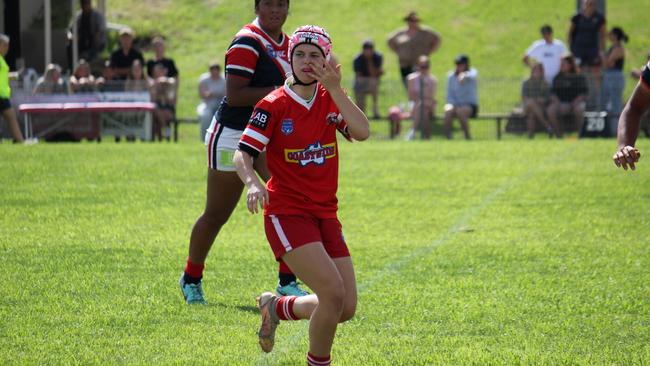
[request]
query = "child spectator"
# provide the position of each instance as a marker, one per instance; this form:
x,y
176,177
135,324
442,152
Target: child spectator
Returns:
x,y
163,93
462,96
51,82
137,80
367,71
535,93
212,88
567,96
107,82
422,87
82,81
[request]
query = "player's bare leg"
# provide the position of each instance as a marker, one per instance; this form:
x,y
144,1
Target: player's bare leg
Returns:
x,y
10,116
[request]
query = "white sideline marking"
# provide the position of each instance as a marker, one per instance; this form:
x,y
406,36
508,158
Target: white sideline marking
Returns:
x,y
397,265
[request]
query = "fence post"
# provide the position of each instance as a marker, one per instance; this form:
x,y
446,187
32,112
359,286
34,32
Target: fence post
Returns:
x,y
499,128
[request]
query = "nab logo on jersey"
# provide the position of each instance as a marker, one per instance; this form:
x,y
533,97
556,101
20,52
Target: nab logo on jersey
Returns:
x,y
314,153
260,119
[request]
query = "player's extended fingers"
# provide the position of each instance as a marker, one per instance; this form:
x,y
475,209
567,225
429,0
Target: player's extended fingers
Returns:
x,y
632,166
634,153
616,160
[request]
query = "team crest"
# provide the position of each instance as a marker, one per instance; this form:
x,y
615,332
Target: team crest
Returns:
x,y
314,154
332,118
287,126
270,51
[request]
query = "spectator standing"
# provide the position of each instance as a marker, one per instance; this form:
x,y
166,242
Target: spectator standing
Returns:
x,y
613,77
82,81
137,80
547,51
535,93
422,87
567,96
212,89
160,59
587,42
8,113
367,71
91,32
163,93
412,42
462,96
51,81
122,58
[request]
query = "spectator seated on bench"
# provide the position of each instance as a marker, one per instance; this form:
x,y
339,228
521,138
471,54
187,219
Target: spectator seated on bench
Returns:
x,y
567,96
163,94
82,81
212,88
462,96
51,81
535,95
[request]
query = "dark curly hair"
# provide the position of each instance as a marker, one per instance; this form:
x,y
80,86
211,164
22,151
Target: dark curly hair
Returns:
x,y
257,3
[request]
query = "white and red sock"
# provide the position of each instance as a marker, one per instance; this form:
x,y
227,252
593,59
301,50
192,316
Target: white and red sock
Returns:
x,y
284,308
318,361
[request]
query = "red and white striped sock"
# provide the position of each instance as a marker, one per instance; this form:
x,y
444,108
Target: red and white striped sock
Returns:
x,y
318,361
284,308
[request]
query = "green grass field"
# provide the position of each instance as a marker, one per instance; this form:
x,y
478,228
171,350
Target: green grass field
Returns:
x,y
483,253
495,34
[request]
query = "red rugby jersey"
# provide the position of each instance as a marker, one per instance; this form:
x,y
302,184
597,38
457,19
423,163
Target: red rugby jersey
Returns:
x,y
301,151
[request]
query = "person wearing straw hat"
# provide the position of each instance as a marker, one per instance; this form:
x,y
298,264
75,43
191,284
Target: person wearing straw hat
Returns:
x,y
411,42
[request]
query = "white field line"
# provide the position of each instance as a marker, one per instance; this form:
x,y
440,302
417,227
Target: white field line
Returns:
x,y
395,266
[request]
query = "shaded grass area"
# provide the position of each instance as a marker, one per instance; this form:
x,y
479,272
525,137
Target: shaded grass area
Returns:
x,y
466,253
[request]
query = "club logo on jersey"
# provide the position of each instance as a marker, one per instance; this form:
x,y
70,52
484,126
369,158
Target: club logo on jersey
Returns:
x,y
287,126
332,118
273,53
314,154
260,118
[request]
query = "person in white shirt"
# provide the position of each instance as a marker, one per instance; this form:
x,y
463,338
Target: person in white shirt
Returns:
x,y
548,52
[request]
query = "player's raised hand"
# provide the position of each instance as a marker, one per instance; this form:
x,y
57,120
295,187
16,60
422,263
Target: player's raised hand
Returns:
x,y
257,196
329,76
627,156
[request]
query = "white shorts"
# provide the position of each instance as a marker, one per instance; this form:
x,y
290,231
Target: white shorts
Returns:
x,y
221,143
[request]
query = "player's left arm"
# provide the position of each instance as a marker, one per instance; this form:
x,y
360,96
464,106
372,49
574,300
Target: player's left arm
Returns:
x,y
330,78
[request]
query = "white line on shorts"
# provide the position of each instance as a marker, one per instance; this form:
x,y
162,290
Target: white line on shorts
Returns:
x,y
395,266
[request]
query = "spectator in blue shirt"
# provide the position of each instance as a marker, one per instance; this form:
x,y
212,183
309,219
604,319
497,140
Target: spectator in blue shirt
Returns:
x,y
462,96
367,71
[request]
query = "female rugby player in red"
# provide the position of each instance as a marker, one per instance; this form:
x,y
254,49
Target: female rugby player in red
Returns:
x,y
297,126
256,63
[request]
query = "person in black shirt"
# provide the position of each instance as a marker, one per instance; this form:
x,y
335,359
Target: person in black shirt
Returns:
x,y
567,96
91,32
160,59
587,36
122,58
367,71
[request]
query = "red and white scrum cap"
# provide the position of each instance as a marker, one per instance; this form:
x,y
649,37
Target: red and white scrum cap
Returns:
x,y
311,34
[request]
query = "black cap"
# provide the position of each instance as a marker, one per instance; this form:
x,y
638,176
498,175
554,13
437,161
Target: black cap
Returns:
x,y
461,59
546,29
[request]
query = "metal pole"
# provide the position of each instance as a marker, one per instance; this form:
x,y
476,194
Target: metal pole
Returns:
x,y
48,32
75,37
101,5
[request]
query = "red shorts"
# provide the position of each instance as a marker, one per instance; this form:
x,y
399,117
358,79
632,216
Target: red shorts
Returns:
x,y
288,232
